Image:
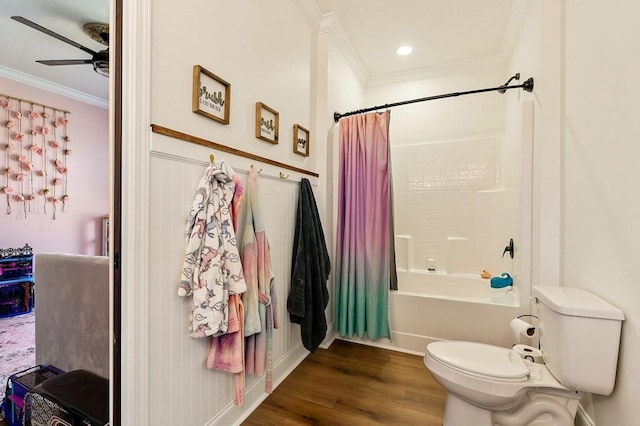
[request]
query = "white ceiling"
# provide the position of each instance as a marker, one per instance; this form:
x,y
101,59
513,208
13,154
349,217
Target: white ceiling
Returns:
x,y
443,33
447,36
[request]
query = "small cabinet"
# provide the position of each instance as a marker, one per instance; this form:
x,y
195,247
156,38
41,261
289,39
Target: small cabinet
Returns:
x,y
16,281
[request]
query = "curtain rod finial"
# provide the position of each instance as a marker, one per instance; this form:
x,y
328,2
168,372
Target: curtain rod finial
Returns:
x,y
336,116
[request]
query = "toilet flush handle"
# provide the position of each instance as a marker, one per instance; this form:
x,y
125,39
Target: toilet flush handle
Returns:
x,y
509,248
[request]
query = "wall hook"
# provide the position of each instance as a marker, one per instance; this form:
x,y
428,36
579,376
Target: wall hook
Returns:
x,y
211,158
283,176
259,171
509,249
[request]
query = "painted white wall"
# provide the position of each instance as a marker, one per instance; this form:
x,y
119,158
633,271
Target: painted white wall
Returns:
x,y
523,137
583,167
232,41
549,92
525,59
345,90
274,67
600,175
77,230
584,156
463,117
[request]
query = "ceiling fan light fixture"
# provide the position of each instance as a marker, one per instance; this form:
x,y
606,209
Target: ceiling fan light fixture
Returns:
x,y
102,68
97,32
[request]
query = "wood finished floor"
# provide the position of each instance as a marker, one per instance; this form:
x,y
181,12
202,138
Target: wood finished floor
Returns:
x,y
352,384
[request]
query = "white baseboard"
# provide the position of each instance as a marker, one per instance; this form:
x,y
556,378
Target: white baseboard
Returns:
x,y
326,343
330,337
582,417
255,394
402,342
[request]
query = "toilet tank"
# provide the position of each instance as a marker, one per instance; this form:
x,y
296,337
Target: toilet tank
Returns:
x,y
579,337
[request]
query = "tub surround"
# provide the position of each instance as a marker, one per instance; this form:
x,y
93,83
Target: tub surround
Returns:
x,y
459,307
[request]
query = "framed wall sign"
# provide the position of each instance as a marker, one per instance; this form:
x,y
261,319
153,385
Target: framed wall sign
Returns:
x,y
211,95
267,123
300,140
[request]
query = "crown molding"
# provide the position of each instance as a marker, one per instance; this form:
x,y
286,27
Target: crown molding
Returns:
x,y
49,86
311,12
452,68
515,23
331,25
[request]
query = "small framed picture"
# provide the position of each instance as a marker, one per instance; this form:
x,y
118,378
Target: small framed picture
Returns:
x,y
267,123
300,140
211,95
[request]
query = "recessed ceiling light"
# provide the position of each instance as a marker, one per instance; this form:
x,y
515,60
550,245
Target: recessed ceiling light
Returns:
x,y
404,50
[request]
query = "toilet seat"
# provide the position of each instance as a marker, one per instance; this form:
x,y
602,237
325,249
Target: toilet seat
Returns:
x,y
466,368
480,360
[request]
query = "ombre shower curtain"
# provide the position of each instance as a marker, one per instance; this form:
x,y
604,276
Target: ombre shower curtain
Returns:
x,y
365,255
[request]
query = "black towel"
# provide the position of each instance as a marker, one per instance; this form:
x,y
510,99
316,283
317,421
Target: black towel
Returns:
x,y
310,269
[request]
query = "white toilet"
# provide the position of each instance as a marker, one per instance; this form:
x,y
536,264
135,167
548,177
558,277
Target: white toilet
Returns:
x,y
489,385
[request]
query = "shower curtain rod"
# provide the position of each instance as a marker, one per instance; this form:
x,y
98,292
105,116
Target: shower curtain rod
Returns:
x,y
526,86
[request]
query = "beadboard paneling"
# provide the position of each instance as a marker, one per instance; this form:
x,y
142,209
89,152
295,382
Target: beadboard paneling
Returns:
x,y
182,388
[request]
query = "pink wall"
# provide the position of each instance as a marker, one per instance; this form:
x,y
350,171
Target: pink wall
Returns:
x,y
77,230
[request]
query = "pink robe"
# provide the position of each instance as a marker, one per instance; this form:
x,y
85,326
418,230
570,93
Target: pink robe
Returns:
x,y
259,299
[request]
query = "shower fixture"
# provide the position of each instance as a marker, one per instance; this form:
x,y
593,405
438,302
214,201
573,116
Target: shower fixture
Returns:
x,y
527,86
509,249
515,77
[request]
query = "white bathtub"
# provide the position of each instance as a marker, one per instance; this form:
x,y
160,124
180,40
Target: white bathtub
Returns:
x,y
436,306
469,288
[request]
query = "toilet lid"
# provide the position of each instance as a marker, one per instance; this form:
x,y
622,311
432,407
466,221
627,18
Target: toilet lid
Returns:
x,y
479,358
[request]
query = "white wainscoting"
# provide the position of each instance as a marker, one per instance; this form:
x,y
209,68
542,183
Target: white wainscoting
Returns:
x,y
182,389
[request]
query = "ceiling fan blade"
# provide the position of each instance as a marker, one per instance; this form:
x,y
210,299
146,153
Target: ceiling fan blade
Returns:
x,y
66,61
42,29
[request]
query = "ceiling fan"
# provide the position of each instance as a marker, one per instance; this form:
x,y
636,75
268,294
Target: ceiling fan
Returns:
x,y
98,32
